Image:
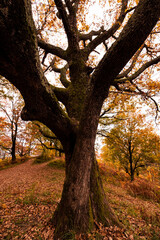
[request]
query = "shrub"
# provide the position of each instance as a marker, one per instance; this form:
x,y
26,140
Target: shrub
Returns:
x,y
144,189
112,174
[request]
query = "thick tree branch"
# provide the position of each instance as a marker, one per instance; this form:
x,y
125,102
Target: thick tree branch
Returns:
x,y
122,78
50,148
69,24
138,27
144,67
49,48
127,71
61,94
5,148
63,77
43,132
19,28
88,36
63,72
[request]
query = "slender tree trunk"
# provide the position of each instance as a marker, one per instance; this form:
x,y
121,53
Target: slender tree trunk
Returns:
x,y
132,177
13,150
14,129
60,154
131,162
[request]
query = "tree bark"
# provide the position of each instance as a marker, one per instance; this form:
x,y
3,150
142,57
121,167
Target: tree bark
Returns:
x,y
83,200
14,128
131,160
102,212
83,204
13,150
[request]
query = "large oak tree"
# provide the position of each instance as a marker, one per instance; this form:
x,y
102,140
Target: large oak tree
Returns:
x,y
83,200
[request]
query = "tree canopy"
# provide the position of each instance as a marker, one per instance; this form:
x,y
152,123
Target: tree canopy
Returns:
x,y
132,143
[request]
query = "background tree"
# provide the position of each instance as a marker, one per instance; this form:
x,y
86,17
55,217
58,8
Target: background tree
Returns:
x,y
132,144
11,125
72,112
16,135
27,144
50,145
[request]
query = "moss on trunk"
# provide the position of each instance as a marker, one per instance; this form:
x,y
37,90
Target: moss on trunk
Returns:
x,y
101,210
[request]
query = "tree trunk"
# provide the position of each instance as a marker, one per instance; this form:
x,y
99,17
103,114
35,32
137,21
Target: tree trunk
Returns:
x,y
132,175
14,129
13,150
131,161
83,203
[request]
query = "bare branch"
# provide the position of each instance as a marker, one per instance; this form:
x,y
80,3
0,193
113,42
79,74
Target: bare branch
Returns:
x,y
47,13
144,67
124,78
61,94
49,48
88,36
51,65
104,112
102,134
44,57
147,96
68,23
107,34
139,92
69,6
6,113
44,133
157,107
131,9
62,72
50,148
127,71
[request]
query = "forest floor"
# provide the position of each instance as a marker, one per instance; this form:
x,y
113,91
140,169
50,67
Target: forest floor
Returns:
x,y
29,194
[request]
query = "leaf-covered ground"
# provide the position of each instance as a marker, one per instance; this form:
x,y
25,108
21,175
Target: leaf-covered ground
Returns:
x,y
29,194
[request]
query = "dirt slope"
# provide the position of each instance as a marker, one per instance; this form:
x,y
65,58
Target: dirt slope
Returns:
x,y
28,196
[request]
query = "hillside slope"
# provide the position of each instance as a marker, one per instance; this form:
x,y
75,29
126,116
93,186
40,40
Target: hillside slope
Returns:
x,y
29,194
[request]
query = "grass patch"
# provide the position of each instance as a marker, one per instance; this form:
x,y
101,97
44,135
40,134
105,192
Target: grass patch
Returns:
x,y
1,220
149,216
135,203
31,197
41,159
7,163
144,189
113,175
59,164
132,211
69,236
21,221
